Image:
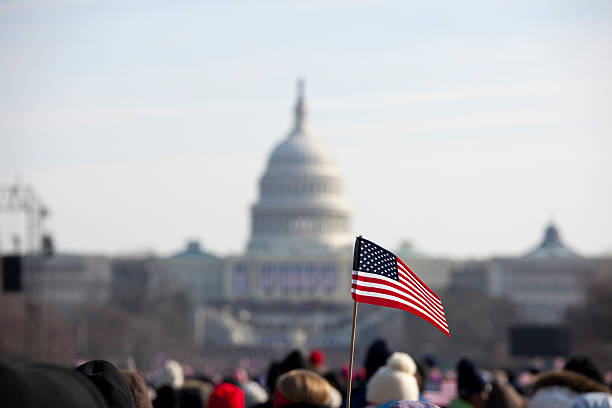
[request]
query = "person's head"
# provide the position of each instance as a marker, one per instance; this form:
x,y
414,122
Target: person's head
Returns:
x,y
584,366
190,398
378,353
422,373
394,381
292,361
138,388
109,380
301,386
316,359
166,397
171,374
471,387
503,395
254,394
37,385
226,395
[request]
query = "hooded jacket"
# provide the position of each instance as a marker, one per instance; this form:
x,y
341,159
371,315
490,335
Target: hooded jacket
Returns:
x,y
559,389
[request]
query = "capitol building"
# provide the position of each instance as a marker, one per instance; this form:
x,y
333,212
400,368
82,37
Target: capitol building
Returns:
x,y
291,285
298,257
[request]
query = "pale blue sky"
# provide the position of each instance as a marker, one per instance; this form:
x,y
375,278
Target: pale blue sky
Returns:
x,y
145,123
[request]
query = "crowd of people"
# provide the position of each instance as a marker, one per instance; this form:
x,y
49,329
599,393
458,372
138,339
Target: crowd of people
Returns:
x,y
388,379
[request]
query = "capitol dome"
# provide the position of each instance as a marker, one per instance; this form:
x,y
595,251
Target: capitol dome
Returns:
x,y
301,207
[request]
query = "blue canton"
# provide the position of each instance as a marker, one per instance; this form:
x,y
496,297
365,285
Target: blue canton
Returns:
x,y
375,259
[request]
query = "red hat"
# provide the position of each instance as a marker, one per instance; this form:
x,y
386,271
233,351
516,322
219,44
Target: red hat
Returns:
x,y
226,395
316,357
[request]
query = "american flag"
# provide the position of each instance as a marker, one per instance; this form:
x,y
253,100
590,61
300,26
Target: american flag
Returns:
x,y
381,278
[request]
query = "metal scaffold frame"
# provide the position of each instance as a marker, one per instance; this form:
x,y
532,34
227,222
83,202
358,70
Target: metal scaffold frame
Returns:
x,y
20,198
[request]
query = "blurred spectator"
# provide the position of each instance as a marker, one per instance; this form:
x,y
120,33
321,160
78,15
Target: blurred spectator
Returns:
x,y
303,388
191,398
254,394
503,394
471,387
226,395
377,356
171,374
434,376
294,360
593,400
166,397
584,366
110,382
138,388
316,360
408,404
203,387
422,375
394,381
39,385
559,389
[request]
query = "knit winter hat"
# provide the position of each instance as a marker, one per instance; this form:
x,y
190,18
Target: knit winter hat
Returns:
x,y
254,394
171,374
316,357
43,385
226,396
109,380
469,380
394,381
301,386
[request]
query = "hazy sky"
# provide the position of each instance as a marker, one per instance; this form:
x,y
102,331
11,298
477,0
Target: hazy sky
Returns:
x,y
143,124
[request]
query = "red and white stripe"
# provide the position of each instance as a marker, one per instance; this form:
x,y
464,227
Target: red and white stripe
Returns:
x,y
409,294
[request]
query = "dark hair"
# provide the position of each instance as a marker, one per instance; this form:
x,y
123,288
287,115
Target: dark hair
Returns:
x,y
109,380
423,373
584,366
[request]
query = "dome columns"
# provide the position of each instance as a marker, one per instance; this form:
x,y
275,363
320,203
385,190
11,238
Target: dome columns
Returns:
x,y
301,207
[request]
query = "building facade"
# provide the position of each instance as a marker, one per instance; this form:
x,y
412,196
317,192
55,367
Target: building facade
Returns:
x,y
292,284
542,284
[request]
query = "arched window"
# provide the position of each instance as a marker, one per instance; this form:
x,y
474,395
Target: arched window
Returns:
x,y
240,280
294,278
268,281
329,278
284,277
308,278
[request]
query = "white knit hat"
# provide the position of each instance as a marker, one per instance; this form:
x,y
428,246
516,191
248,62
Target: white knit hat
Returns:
x,y
170,374
394,381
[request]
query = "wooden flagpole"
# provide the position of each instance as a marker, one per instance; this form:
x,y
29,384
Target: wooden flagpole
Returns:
x,y
350,377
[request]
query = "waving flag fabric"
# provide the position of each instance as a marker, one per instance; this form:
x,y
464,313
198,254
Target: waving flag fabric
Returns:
x,y
381,278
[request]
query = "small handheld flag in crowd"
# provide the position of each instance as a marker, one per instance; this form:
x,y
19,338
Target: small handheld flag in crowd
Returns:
x,y
381,278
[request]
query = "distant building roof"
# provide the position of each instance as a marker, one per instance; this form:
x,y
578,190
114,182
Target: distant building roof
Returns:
x,y
193,250
551,246
407,250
